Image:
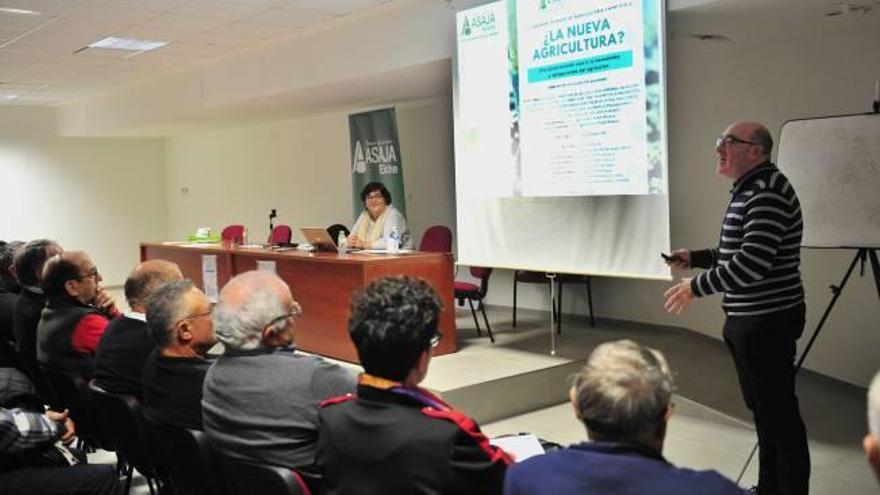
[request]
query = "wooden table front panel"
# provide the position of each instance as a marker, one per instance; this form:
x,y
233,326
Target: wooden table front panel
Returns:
x,y
323,284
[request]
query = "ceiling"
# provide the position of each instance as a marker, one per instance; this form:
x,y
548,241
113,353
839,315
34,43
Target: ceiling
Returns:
x,y
43,62
41,59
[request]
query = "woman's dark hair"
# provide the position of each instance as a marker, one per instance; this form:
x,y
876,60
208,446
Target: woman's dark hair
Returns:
x,y
392,322
376,186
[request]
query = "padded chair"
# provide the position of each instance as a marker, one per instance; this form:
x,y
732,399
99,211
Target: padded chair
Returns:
x,y
438,239
191,463
71,391
246,478
530,277
126,424
233,233
281,234
473,292
334,230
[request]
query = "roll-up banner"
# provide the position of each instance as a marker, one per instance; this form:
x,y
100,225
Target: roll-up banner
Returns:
x,y
375,156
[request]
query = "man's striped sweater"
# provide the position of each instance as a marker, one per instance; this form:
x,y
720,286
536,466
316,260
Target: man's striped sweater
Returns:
x,y
757,262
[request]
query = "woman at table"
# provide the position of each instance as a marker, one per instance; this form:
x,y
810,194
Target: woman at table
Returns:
x,y
379,218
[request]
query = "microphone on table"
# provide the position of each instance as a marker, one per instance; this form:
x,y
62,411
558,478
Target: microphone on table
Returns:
x,y
272,215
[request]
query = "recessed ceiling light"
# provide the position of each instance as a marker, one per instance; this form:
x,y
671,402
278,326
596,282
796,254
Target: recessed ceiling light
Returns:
x,y
128,44
10,97
12,10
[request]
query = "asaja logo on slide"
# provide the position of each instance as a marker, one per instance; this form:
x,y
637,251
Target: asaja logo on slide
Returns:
x,y
478,25
381,153
546,5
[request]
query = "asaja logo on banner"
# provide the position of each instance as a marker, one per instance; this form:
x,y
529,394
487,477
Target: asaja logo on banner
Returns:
x,y
381,154
475,25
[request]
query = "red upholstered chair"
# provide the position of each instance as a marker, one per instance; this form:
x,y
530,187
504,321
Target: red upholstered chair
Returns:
x,y
281,234
530,277
473,292
233,233
438,239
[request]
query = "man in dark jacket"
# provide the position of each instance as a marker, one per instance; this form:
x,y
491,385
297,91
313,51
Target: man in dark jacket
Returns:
x,y
396,437
126,343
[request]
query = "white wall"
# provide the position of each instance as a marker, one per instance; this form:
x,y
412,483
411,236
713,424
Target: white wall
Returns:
x,y
710,85
99,195
302,168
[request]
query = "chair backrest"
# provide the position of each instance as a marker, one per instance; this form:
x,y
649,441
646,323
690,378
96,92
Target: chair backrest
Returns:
x,y
71,391
233,233
246,478
334,230
190,461
281,234
483,274
438,238
124,420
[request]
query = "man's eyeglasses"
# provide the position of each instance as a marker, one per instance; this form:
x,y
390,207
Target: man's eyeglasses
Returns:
x,y
93,273
435,339
730,140
197,316
294,313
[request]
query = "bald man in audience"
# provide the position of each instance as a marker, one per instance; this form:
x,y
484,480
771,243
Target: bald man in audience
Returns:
x,y
179,319
76,315
126,343
871,443
261,397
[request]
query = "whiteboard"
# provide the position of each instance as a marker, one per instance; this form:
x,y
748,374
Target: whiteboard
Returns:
x,y
834,165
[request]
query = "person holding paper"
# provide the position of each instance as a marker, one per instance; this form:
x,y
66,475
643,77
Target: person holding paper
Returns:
x,y
378,220
396,437
623,396
757,266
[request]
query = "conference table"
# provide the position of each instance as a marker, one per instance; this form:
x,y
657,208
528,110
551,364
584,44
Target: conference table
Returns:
x,y
321,282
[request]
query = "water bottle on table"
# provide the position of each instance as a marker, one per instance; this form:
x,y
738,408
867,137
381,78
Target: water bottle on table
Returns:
x,y
341,242
393,243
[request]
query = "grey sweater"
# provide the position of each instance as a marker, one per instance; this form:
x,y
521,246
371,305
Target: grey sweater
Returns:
x,y
262,405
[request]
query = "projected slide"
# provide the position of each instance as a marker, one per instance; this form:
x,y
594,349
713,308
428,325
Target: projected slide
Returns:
x,y
579,96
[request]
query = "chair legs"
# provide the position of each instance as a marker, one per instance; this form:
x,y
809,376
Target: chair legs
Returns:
x,y
474,314
514,299
590,300
485,319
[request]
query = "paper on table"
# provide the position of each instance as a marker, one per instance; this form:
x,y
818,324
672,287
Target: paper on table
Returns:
x,y
521,447
385,251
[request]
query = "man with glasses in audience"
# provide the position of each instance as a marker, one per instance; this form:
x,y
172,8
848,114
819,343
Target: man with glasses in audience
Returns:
x,y
261,397
77,312
623,396
756,265
179,320
397,437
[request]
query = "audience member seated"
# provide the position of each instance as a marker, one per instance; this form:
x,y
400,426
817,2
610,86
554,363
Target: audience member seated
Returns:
x,y
623,396
31,459
396,437
9,290
871,443
28,264
261,397
76,314
179,319
126,343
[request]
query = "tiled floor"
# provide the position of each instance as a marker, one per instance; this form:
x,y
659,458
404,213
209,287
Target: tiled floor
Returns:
x,y
711,428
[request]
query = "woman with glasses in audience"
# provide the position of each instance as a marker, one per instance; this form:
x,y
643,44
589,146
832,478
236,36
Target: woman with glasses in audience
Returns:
x,y
378,221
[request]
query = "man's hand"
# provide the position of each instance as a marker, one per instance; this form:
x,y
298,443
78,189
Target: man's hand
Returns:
x,y
679,296
681,260
105,302
63,419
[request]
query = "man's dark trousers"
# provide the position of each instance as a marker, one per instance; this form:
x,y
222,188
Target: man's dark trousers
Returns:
x,y
763,350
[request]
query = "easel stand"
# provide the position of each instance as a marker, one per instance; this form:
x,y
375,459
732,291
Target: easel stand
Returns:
x,y
862,255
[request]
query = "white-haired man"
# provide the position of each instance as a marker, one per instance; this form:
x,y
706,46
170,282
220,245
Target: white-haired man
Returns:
x,y
261,398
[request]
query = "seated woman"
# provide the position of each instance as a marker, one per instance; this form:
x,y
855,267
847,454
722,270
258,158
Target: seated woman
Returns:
x,y
379,218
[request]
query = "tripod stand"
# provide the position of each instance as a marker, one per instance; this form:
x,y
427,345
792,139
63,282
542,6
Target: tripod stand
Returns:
x,y
862,255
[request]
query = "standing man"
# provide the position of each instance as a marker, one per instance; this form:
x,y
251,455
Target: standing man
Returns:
x,y
757,267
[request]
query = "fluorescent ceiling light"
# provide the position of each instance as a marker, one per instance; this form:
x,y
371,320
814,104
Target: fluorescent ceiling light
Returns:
x,y
10,97
129,44
12,10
